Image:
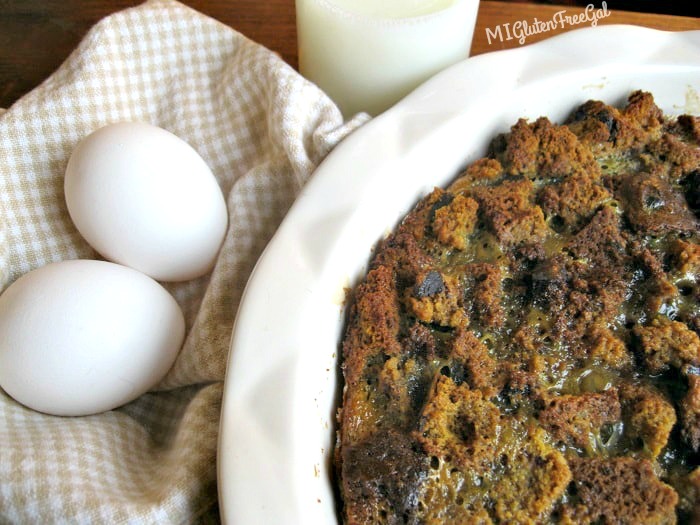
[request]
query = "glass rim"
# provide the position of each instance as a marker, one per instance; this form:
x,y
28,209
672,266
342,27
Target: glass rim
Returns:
x,y
384,20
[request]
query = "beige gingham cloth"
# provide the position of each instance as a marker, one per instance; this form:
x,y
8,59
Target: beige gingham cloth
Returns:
x,y
262,129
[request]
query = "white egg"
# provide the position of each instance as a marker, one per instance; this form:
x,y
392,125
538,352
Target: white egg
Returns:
x,y
81,337
143,197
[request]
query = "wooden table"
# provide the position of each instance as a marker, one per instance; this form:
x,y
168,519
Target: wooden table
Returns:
x,y
37,35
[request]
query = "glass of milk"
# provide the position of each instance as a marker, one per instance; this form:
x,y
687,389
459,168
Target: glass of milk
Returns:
x,y
368,54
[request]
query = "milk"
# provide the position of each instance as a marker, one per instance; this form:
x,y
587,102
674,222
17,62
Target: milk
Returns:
x,y
368,54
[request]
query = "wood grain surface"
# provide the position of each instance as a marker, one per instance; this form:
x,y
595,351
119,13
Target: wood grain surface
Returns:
x,y
36,36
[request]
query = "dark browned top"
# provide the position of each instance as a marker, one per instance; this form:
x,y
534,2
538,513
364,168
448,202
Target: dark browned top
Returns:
x,y
524,347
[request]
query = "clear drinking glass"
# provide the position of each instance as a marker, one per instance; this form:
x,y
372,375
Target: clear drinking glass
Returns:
x,y
368,54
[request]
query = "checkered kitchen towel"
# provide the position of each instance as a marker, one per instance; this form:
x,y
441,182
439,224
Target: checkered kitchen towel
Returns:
x,y
262,129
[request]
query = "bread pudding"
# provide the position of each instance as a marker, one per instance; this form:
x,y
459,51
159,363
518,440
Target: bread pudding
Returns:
x,y
524,346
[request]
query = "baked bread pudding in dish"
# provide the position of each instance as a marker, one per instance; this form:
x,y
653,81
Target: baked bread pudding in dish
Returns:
x,y
524,346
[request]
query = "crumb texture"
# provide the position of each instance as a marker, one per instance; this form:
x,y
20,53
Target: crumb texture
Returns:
x,y
524,346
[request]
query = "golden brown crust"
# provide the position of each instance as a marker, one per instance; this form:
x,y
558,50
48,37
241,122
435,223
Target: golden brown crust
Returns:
x,y
573,200
606,348
542,150
480,172
648,416
437,299
687,257
478,368
679,157
621,490
509,211
689,412
665,343
524,347
576,419
458,425
536,477
454,222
